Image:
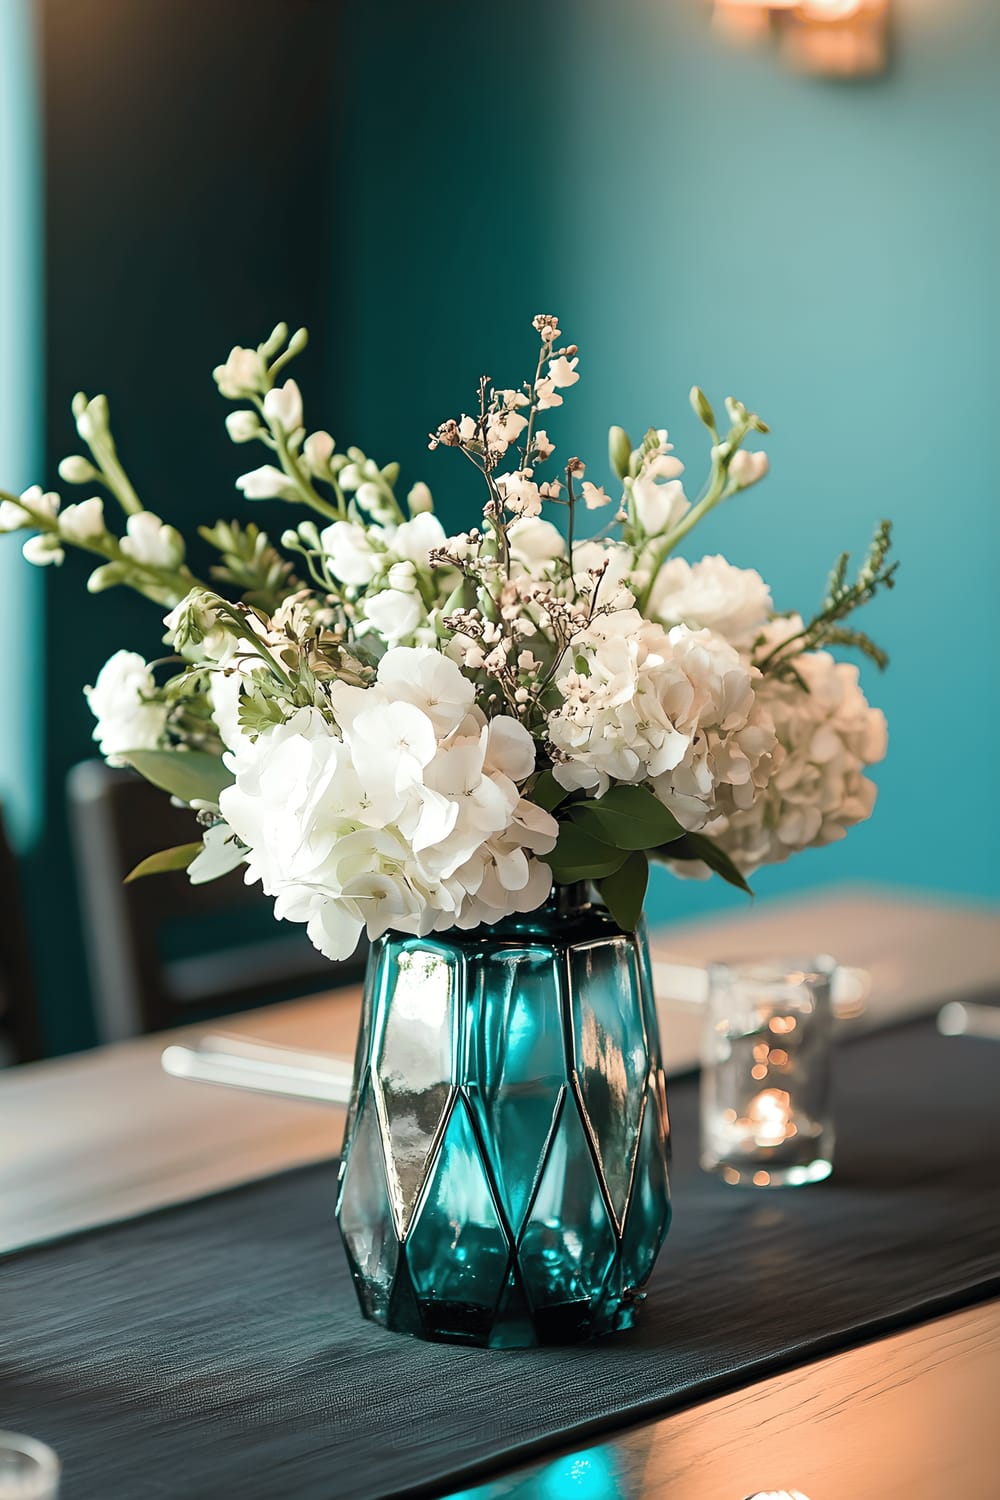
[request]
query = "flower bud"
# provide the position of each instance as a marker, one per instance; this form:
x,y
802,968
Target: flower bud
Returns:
x,y
274,341
619,450
390,474
242,426
702,407
77,470
318,451
106,577
419,500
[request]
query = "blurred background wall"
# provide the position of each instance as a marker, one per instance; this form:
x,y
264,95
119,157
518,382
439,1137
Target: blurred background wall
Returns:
x,y
414,183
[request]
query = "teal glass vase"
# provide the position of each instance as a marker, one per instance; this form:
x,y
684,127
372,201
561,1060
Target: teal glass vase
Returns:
x,y
504,1174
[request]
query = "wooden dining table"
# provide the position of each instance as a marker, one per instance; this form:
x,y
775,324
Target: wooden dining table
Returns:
x,y
106,1135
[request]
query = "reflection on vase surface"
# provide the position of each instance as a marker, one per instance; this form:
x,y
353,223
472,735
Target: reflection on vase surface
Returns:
x,y
504,1177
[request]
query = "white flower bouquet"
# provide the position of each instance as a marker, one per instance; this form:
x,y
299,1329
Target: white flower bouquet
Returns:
x,y
391,727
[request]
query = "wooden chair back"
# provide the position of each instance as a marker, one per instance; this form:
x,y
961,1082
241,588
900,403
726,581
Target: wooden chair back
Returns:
x,y
162,952
20,1029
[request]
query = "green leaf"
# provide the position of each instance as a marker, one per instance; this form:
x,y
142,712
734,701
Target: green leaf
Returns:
x,y
177,858
628,817
577,856
191,775
547,793
698,846
624,891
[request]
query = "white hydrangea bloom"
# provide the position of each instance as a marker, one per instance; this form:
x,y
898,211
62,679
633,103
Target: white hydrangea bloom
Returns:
x,y
535,544
126,720
712,593
828,735
675,709
406,813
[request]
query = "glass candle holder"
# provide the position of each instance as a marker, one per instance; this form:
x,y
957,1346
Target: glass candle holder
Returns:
x,y
29,1470
765,1081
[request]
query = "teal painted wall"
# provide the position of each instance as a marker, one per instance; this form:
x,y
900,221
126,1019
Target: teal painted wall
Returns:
x,y
20,424
827,251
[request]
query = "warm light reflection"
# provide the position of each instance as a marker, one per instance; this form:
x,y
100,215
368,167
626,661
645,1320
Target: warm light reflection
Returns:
x,y
838,38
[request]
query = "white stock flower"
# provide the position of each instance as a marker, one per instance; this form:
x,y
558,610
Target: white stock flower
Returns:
x,y
83,522
395,615
243,374
350,552
658,495
406,813
266,483
283,406
125,720
150,542
413,541
712,593
828,734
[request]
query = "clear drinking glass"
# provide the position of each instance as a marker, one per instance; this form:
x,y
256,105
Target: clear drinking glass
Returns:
x,y
28,1469
765,1082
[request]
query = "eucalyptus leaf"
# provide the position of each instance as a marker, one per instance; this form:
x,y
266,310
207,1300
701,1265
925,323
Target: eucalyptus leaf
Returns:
x,y
698,846
547,793
624,891
628,817
191,775
577,856
177,858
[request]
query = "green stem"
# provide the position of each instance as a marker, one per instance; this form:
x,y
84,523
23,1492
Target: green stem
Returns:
x,y
717,490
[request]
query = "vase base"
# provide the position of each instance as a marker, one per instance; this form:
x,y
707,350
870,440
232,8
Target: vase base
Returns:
x,y
476,1326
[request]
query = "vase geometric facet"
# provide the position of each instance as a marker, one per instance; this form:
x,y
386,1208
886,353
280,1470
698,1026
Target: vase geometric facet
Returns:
x,y
504,1173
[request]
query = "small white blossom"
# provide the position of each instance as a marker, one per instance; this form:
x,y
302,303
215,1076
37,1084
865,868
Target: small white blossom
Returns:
x,y
594,497
283,406
150,542
243,374
83,522
546,395
266,483
520,493
43,550
563,371
14,517
746,468
126,720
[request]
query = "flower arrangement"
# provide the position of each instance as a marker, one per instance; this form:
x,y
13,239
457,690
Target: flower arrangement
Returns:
x,y
393,727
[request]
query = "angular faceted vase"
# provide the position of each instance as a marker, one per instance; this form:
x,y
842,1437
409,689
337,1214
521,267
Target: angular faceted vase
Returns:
x,y
504,1173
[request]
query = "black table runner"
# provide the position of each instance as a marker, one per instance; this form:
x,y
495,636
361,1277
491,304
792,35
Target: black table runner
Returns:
x,y
215,1349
